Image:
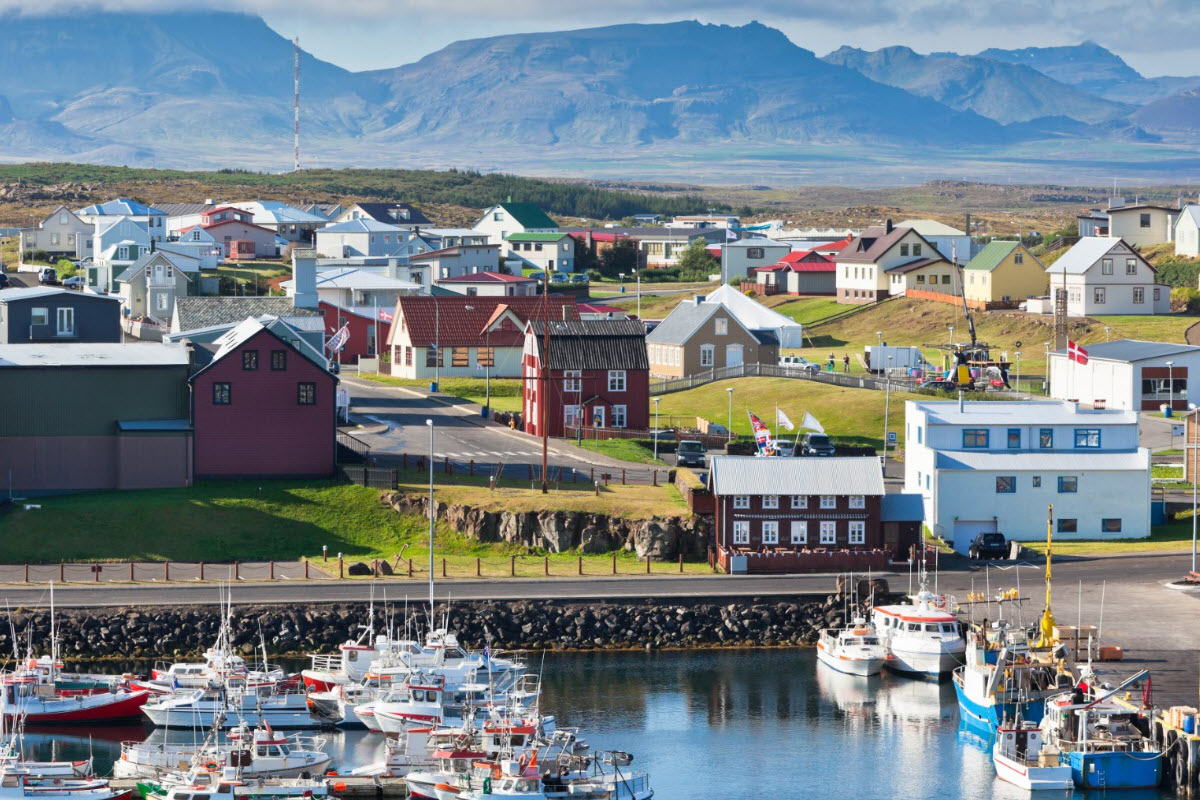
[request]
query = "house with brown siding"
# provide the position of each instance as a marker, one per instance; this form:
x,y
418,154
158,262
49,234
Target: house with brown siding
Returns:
x,y
699,336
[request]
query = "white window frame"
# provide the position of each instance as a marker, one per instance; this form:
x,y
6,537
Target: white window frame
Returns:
x,y
799,531
1099,296
616,380
770,501
799,501
828,532
572,380
858,501
858,532
770,532
570,415
741,532
741,501
1139,294
39,316
721,326
67,315
708,355
828,501
619,417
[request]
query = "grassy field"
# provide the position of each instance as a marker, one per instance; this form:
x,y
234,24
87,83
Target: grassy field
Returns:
x,y
622,449
805,310
1175,535
851,416
640,501
506,392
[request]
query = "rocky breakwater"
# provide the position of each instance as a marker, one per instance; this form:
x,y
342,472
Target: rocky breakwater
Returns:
x,y
558,531
167,632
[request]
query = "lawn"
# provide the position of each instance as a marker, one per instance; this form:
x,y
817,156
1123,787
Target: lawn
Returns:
x,y
806,310
624,449
850,416
1175,535
506,392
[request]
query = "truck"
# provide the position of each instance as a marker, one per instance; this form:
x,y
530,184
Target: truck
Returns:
x,y
884,357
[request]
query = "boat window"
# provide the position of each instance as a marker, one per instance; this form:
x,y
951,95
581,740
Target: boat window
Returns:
x,y
198,797
262,751
870,640
183,796
948,627
353,655
518,741
931,628
914,626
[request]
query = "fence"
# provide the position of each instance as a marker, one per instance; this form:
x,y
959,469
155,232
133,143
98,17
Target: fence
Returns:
x,y
955,300
385,472
768,371
351,450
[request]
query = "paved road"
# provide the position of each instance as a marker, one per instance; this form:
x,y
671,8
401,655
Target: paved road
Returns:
x,y
393,423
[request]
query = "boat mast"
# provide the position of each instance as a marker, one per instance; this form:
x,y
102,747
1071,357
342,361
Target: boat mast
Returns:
x,y
1046,632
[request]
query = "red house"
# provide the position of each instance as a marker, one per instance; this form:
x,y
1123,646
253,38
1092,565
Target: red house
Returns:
x,y
597,374
261,408
367,336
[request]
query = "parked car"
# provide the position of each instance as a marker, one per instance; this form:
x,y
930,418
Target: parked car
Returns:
x,y
817,444
3,279
988,546
785,448
48,275
798,362
580,278
936,385
74,282
84,263
537,276
689,453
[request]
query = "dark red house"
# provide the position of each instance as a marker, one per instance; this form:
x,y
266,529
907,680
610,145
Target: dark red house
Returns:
x,y
261,408
368,337
809,515
599,375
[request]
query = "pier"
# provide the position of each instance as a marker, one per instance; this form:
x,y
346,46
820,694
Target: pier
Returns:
x,y
344,786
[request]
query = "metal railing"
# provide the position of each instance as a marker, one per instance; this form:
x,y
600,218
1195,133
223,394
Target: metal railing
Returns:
x,y
772,371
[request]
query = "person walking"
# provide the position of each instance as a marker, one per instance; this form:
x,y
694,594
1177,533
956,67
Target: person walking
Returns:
x,y
845,362
832,358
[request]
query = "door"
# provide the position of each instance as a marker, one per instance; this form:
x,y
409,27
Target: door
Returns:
x,y
598,417
966,531
733,355
66,322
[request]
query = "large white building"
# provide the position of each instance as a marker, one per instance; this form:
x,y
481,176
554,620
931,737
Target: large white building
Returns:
x,y
1104,275
994,466
1127,374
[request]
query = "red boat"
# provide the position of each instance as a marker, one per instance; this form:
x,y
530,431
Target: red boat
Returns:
x,y
38,704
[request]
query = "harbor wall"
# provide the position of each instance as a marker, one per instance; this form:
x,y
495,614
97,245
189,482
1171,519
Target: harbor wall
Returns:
x,y
165,632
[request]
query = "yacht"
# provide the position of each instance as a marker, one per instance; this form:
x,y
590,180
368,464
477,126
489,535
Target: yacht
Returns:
x,y
855,650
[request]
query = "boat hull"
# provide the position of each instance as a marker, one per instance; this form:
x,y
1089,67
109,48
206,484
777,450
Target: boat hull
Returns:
x,y
92,708
1094,770
190,719
1032,779
862,667
923,664
984,717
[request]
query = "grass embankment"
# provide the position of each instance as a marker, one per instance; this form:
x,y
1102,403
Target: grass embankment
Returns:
x,y
506,392
624,449
1174,535
285,520
852,417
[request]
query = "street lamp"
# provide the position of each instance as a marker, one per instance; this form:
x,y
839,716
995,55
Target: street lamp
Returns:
x,y
657,400
487,366
951,327
1170,388
432,513
887,405
1107,333
1018,372
878,361
729,433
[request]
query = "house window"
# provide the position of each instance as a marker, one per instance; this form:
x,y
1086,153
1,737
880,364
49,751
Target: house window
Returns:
x,y
570,415
741,501
975,437
1139,294
618,416
249,359
754,253
1018,257
62,218
903,249
278,360
1068,484
770,532
306,394
1046,438
54,238
916,249
431,356
741,532
920,278
572,380
65,318
721,326
858,532
799,532
222,394
122,253
1014,438
770,501
485,356
799,501
1144,220
408,356
945,279
828,501
1068,525
616,380
1006,484
1131,266
460,356
828,532
1110,525
1087,437
1098,294
39,316
706,355
858,501
1106,266
1156,295
1037,481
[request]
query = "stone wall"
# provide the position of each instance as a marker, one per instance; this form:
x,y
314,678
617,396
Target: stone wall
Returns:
x,y
663,538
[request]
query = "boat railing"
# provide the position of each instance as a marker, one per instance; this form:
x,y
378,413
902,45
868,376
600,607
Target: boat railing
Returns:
x,y
326,663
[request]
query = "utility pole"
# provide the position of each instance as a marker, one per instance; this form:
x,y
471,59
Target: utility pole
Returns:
x,y
296,104
545,378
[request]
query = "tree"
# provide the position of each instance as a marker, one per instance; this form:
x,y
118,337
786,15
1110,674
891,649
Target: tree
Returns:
x,y
585,257
696,263
621,257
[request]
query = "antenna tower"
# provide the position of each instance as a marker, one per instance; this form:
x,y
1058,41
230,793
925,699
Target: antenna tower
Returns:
x,y
296,104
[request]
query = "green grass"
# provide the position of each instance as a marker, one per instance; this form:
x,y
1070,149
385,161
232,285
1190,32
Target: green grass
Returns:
x,y
808,310
1174,535
1166,471
506,392
624,449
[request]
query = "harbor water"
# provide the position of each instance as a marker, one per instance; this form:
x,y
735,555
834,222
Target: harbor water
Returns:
x,y
725,725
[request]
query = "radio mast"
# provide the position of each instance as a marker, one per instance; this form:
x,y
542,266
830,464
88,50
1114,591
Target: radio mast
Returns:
x,y
296,104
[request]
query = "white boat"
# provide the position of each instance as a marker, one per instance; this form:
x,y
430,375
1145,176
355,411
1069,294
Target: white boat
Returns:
x,y
18,786
232,706
229,782
855,650
923,639
1024,760
260,753
32,697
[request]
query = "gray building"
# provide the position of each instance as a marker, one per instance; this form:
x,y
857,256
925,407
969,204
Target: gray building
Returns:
x,y
45,314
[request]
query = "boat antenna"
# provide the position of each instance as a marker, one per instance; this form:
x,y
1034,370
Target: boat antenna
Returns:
x,y
1046,633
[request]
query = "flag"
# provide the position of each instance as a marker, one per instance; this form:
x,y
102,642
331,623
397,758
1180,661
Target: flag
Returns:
x,y
762,435
174,683
810,423
1076,353
730,235
386,316
781,419
337,342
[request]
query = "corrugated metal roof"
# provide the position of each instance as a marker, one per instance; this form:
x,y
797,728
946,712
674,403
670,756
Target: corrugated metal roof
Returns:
x,y
930,227
840,475
1035,461
120,207
144,354
683,321
33,293
1132,350
1083,254
535,237
367,225
528,215
195,313
990,256
1020,412
598,344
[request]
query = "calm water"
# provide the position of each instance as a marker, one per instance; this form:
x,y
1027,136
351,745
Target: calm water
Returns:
x,y
727,726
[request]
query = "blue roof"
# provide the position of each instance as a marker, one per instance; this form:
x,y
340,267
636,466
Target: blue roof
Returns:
x,y
154,425
362,226
121,207
902,507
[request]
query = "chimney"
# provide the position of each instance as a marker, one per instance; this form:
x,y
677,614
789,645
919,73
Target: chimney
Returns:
x,y
304,278
697,299
887,227
566,314
968,224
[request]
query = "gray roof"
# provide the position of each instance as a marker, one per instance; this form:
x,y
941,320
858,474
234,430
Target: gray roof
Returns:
x,y
594,344
367,225
18,293
902,507
206,312
1035,461
683,321
840,475
1132,350
142,354
1020,412
184,209
1084,254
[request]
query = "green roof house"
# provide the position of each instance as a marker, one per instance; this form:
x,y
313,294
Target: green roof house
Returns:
x,y
1003,274
499,221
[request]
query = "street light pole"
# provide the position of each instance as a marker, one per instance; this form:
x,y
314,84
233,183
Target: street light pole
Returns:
x,y
1170,388
887,406
432,514
437,345
1018,372
729,436
656,402
1107,333
638,273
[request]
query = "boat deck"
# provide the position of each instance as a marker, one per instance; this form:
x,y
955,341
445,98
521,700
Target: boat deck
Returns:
x,y
339,786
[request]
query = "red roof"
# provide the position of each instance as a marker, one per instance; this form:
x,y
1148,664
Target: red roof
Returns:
x,y
219,209
597,236
814,266
487,277
461,321
833,247
455,251
807,261
600,308
236,222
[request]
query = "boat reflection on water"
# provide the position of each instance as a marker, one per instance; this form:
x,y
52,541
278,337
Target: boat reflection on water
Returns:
x,y
930,703
854,695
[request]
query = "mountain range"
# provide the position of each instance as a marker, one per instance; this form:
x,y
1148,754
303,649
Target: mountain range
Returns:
x,y
205,89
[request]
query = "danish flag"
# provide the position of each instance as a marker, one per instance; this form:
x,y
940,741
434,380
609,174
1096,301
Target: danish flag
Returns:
x,y
1076,353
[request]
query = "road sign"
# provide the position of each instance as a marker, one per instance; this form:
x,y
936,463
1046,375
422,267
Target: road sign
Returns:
x,y
892,437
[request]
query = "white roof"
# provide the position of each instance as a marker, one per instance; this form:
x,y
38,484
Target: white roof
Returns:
x,y
992,461
360,279
34,292
361,226
443,232
754,242
273,212
1083,254
753,314
930,227
1019,412
778,475
143,354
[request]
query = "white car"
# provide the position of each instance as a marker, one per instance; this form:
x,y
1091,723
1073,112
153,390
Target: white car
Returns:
x,y
74,282
798,362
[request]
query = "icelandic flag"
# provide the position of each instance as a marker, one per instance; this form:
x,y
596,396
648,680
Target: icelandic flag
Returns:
x,y
337,342
1076,353
810,423
762,435
782,420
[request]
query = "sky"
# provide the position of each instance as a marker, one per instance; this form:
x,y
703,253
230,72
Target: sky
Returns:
x,y
1156,37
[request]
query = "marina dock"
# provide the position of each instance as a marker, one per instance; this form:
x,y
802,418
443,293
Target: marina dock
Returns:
x,y
339,786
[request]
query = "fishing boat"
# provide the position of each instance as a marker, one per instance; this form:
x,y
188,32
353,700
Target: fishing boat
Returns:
x,y
230,782
257,753
32,697
19,786
923,639
1024,760
1102,738
603,777
854,650
232,705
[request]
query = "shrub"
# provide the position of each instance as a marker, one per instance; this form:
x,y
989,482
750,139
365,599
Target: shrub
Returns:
x,y
65,268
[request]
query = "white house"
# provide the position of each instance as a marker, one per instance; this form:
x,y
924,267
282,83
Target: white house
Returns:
x,y
949,241
554,252
740,256
360,237
1187,231
403,215
1142,224
57,234
1104,275
1127,374
863,264
152,220
991,466
499,221
150,286
115,245
354,287
451,262
287,222
490,284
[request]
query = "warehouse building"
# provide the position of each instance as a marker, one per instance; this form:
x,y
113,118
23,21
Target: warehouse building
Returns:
x,y
1127,374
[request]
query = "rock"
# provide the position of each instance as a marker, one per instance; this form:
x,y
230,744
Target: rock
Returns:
x,y
359,568
385,567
